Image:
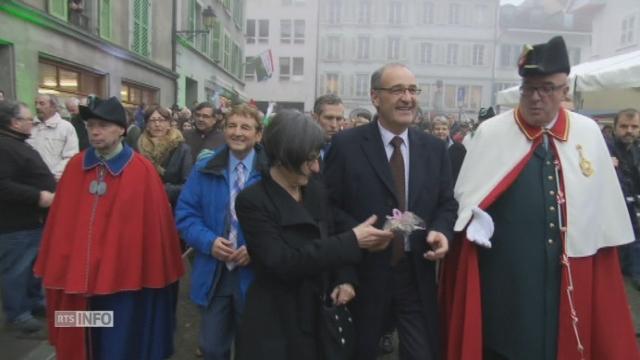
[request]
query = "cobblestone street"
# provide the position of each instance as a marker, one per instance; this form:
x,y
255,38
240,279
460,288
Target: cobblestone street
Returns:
x,y
37,348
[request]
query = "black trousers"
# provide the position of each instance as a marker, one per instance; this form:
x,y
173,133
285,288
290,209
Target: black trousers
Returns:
x,y
405,307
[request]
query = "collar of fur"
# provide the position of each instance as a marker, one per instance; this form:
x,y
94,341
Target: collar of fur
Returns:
x,y
159,149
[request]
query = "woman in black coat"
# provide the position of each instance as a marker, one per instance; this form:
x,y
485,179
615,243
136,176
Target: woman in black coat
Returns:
x,y
287,224
165,147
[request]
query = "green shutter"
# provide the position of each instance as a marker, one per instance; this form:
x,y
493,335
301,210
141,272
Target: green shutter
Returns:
x,y
140,43
191,21
105,19
59,8
227,52
217,41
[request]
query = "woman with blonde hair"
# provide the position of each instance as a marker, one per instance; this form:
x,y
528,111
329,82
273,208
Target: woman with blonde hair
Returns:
x,y
167,150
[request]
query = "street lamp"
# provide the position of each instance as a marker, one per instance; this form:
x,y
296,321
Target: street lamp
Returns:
x,y
208,20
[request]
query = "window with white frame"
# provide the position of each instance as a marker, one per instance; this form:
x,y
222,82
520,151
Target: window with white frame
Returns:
x,y
574,55
426,53
362,85
478,55
364,43
475,97
298,66
332,83
298,31
628,31
263,31
427,12
250,68
455,14
509,54
395,13
481,15
452,54
393,48
335,11
250,31
285,68
285,31
333,48
364,12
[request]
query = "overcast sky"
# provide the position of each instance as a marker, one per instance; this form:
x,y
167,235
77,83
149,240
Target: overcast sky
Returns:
x,y
514,2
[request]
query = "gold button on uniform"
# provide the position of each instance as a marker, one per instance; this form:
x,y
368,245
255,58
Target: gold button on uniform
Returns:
x,y
552,225
552,208
550,178
550,241
552,192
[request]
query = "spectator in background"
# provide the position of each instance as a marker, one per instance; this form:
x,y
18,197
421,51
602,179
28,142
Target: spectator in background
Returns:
x,y
328,112
360,117
187,125
164,146
2,95
626,129
205,135
133,131
26,191
54,138
440,129
78,124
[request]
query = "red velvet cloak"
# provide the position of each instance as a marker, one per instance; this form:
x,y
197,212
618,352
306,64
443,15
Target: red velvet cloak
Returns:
x,y
124,240
604,322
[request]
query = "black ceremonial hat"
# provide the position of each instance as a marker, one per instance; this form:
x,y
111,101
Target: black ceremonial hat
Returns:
x,y
110,110
486,113
544,59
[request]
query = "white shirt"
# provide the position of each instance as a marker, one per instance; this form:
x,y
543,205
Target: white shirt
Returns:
x,y
56,141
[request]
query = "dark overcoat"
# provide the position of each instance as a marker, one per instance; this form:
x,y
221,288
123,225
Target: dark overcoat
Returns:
x,y
358,177
291,254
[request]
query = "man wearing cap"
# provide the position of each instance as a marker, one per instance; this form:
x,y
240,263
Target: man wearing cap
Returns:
x,y
535,273
119,253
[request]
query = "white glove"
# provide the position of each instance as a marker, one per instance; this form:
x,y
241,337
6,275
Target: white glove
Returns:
x,y
481,228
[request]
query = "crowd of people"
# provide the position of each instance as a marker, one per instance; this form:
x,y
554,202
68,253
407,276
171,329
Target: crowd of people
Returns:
x,y
523,216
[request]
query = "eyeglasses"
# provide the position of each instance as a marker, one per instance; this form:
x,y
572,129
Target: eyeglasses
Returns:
x,y
542,90
204,116
401,90
158,120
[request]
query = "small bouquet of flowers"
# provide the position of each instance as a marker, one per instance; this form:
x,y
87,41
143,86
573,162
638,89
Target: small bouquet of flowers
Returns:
x,y
403,223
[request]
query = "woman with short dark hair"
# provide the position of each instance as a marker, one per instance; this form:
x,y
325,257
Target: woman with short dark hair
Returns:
x,y
288,227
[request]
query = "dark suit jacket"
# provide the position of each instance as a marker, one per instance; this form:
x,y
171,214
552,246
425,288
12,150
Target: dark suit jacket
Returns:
x,y
290,252
359,181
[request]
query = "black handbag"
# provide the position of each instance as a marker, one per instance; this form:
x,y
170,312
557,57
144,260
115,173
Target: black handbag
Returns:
x,y
337,335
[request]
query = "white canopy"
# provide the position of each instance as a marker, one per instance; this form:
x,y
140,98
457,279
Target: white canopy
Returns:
x,y
617,72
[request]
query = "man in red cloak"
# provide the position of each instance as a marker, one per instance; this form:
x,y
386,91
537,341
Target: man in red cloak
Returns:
x,y
535,273
110,244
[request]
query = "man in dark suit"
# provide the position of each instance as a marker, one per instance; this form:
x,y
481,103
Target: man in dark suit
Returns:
x,y
374,169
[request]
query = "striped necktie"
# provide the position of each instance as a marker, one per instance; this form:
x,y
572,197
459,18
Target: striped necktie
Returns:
x,y
238,185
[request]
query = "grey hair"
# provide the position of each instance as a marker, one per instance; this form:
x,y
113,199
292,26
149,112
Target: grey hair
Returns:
x,y
376,77
440,119
291,139
74,100
9,110
53,100
328,99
